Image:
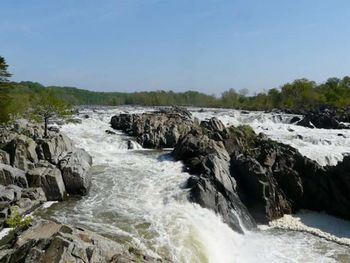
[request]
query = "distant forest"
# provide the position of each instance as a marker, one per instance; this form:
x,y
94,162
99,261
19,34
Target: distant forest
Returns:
x,y
301,93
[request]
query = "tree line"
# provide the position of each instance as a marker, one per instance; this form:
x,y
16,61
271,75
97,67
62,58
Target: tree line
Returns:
x,y
18,97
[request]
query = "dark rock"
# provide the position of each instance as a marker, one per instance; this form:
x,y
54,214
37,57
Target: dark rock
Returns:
x,y
295,119
214,188
110,132
161,129
75,171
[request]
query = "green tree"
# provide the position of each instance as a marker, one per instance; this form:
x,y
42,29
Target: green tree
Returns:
x,y
46,106
4,74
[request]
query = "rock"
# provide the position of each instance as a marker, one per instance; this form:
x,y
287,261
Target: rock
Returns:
x,y
49,178
48,241
10,175
9,194
54,129
132,145
54,148
4,157
110,132
295,119
75,171
161,129
214,188
322,119
22,152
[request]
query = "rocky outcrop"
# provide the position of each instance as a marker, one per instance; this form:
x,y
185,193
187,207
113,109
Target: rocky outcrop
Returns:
x,y
234,169
48,241
213,187
75,171
160,129
32,167
324,118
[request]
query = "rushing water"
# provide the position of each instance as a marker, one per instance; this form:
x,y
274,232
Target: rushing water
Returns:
x,y
137,198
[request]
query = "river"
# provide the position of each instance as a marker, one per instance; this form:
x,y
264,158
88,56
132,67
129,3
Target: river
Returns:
x,y
137,196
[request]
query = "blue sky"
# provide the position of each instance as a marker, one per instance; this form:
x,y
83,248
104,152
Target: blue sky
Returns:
x,y
203,45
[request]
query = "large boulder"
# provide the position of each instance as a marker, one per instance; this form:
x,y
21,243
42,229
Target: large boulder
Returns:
x,y
10,175
49,178
22,152
160,129
75,171
54,148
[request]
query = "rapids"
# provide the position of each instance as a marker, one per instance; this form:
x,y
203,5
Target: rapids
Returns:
x,y
137,196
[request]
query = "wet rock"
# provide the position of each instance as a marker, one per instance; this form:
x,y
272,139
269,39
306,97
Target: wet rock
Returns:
x,y
321,119
295,119
10,175
75,171
49,178
214,188
110,132
161,129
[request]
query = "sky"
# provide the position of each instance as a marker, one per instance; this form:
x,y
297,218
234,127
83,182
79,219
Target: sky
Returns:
x,y
203,45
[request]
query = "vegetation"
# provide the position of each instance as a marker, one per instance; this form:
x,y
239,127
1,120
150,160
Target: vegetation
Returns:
x,y
16,220
17,97
4,74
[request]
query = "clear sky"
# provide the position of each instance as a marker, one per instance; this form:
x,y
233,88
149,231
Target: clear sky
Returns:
x,y
204,45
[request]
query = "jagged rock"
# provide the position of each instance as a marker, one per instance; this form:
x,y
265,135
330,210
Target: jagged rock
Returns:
x,y
4,157
214,188
10,175
22,152
9,194
55,148
49,178
161,129
48,241
75,171
321,119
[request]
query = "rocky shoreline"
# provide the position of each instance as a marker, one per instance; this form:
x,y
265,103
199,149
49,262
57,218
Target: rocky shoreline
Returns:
x,y
35,169
240,174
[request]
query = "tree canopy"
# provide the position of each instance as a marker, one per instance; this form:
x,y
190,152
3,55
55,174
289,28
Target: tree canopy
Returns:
x,y
4,74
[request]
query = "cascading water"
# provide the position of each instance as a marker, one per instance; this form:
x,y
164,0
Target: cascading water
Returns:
x,y
137,198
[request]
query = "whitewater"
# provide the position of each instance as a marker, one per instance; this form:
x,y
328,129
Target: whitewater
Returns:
x,y
137,197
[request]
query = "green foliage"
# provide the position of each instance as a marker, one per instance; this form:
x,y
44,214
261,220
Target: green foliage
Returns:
x,y
4,74
16,220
